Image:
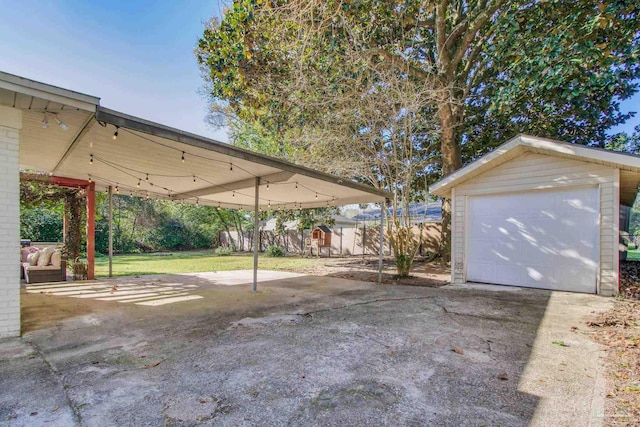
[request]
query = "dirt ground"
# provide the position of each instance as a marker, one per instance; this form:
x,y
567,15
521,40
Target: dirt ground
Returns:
x,y
432,273
311,350
619,330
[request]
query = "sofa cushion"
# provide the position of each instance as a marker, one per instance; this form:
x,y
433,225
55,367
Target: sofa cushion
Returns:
x,y
56,258
44,267
32,258
45,256
24,252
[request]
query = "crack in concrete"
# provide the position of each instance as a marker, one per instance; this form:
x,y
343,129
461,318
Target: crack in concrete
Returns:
x,y
60,377
377,300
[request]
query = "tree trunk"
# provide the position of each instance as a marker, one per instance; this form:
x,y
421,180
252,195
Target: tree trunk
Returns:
x,y
451,162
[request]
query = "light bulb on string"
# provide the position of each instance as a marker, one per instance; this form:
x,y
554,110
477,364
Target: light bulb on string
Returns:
x,y
90,179
231,166
197,202
138,185
233,194
147,195
296,185
147,178
194,178
90,159
115,134
182,157
267,185
316,196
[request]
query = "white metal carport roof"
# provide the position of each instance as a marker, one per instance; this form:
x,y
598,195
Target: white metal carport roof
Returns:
x,y
150,158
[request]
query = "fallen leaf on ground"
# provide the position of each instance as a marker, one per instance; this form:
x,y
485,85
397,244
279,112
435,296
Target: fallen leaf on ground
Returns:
x,y
503,376
56,408
153,365
457,350
560,343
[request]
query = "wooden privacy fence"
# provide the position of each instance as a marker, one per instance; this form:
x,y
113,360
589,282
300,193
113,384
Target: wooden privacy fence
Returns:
x,y
363,240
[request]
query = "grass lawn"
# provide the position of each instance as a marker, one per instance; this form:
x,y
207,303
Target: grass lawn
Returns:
x,y
633,254
191,262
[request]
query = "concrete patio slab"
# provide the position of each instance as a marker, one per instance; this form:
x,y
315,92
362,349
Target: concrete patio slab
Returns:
x,y
306,351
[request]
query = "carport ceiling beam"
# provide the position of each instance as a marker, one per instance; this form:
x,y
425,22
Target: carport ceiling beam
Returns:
x,y
235,186
83,131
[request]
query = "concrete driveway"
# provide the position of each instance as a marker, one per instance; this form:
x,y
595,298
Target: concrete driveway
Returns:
x,y
307,351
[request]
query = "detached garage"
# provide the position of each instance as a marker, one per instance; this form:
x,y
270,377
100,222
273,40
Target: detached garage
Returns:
x,y
540,213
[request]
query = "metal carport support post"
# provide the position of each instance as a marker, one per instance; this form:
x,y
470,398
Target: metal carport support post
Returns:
x,y
256,234
110,231
383,207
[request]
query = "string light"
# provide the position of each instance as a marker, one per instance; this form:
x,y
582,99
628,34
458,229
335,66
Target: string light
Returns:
x,y
90,179
182,157
147,195
233,194
115,134
197,202
269,204
329,200
117,189
218,205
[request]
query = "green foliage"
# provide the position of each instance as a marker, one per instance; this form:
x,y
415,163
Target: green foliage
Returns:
x,y
274,251
222,251
41,224
556,69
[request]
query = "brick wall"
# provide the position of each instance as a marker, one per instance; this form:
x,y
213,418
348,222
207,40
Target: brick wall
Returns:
x,y
10,125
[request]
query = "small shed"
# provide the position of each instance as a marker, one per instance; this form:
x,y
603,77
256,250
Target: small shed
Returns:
x,y
322,234
540,213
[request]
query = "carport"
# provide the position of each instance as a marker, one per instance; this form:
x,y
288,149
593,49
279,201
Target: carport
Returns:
x,y
69,136
540,213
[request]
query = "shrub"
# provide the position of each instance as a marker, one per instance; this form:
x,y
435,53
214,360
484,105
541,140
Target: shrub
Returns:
x,y
274,251
222,251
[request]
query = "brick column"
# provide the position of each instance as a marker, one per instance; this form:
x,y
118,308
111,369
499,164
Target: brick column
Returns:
x,y
10,125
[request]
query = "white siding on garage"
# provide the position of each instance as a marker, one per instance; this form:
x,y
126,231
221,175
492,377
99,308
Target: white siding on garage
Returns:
x,y
537,172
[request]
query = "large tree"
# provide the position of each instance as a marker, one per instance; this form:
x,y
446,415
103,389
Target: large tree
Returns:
x,y
495,68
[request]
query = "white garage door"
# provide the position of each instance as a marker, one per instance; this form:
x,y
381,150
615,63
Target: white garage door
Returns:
x,y
540,239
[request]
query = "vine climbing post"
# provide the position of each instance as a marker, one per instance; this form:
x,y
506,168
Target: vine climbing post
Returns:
x,y
91,230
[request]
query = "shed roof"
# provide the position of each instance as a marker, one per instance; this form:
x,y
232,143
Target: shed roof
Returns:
x,y
628,164
323,228
140,157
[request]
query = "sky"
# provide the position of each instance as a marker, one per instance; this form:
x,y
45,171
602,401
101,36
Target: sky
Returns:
x,y
136,55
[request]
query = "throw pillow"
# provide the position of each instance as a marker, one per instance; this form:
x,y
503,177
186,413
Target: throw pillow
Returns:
x,y
45,256
32,258
56,259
